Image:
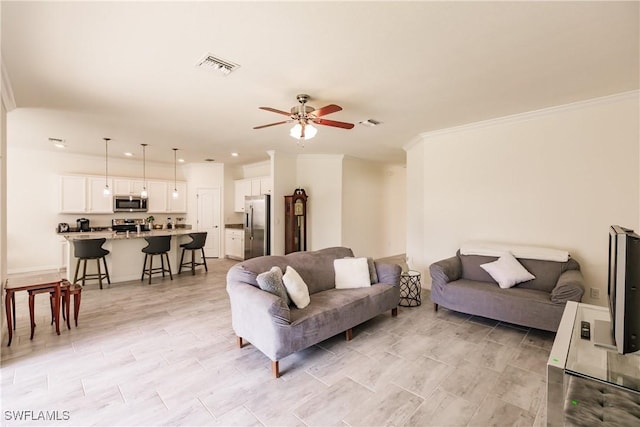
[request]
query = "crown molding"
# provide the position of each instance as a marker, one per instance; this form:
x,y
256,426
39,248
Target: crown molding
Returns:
x,y
520,117
7,92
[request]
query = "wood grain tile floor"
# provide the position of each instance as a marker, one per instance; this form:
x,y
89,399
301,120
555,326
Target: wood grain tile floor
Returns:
x,y
165,354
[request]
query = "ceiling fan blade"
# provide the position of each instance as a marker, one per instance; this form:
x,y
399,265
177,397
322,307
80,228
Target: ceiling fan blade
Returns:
x,y
273,110
328,109
334,123
271,124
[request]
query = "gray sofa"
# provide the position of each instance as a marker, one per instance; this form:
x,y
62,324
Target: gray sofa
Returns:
x,y
278,330
460,284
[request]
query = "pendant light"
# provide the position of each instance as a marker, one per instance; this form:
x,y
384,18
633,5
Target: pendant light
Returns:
x,y
175,185
144,193
107,191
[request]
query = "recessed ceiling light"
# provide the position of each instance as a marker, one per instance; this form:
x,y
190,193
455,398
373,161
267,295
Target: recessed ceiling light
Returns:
x,y
128,154
235,154
58,143
180,160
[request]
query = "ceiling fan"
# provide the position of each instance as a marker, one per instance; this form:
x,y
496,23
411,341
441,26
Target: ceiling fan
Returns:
x,y
303,115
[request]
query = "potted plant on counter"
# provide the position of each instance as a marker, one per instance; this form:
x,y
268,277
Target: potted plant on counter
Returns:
x,y
149,221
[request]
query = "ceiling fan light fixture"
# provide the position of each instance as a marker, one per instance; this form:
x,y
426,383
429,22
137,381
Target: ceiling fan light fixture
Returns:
x,y
309,131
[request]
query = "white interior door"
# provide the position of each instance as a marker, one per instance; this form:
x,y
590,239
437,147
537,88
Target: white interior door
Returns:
x,y
209,219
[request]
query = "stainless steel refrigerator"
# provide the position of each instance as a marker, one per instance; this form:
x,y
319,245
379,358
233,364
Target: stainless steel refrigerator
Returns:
x,y
257,238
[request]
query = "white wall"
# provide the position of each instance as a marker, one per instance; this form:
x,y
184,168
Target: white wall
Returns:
x,y
393,205
33,200
555,178
283,173
3,207
255,170
321,177
362,201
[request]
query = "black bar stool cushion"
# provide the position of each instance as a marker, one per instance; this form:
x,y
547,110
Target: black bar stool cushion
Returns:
x,y
157,245
199,239
89,248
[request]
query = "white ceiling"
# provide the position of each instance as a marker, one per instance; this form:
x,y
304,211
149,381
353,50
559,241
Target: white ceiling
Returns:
x,y
126,70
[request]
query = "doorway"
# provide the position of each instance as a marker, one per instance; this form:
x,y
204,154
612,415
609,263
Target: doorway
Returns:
x,y
209,219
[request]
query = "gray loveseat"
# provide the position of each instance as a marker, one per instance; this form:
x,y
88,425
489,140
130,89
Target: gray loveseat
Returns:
x,y
278,330
460,284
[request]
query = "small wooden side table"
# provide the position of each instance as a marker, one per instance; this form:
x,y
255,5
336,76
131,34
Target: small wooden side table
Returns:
x,y
51,281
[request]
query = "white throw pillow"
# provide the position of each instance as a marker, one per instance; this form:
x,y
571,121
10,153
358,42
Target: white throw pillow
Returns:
x,y
507,271
296,288
351,273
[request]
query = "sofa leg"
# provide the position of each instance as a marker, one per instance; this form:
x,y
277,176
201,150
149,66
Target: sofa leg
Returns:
x,y
240,342
435,307
275,368
348,334
394,312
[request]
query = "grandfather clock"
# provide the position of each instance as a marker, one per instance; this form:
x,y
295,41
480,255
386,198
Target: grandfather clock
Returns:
x,y
295,222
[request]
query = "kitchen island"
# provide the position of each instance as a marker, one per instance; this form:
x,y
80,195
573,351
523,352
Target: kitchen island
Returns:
x,y
125,260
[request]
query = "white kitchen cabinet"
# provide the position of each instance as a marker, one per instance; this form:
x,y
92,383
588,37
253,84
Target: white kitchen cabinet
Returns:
x,y
250,187
73,194
64,251
81,194
97,202
178,205
265,185
84,194
157,195
234,243
255,187
242,188
127,187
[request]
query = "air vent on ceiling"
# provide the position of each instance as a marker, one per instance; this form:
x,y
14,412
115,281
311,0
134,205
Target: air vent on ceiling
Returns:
x,y
210,62
369,122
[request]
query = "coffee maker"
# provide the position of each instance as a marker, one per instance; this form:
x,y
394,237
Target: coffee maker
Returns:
x,y
82,224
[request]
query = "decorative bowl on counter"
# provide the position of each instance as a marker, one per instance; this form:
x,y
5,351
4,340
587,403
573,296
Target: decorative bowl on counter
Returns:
x,y
157,226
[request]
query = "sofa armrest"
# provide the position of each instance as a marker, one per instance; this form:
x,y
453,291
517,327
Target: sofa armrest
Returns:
x,y
388,274
445,271
252,306
570,287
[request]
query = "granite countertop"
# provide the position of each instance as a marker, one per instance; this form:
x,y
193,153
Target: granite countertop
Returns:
x,y
238,226
110,235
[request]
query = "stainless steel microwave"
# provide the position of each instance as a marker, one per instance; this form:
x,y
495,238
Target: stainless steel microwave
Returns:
x,y
129,204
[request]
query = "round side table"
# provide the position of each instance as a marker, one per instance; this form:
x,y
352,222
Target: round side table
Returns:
x,y
410,289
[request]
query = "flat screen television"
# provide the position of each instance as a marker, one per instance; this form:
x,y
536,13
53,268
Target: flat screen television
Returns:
x,y
623,289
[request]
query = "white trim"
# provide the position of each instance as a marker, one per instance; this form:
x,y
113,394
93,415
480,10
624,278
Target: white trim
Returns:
x,y
7,92
520,117
413,142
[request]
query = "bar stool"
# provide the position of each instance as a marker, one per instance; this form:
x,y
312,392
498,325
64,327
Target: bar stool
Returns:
x,y
156,245
91,249
197,242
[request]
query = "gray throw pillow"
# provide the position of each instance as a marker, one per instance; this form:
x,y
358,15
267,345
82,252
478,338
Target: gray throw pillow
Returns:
x,y
373,274
271,281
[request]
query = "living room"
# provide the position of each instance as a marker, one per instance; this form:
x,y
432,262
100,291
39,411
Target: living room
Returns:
x,y
534,139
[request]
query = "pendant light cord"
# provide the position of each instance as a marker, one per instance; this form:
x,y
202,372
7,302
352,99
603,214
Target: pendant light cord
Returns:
x,y
144,165
106,162
175,184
